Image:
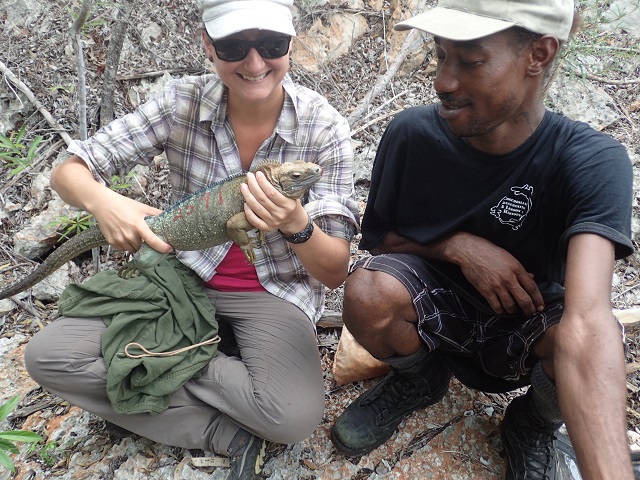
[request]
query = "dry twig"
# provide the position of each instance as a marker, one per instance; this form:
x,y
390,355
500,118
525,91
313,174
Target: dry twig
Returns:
x,y
10,76
596,78
159,73
383,80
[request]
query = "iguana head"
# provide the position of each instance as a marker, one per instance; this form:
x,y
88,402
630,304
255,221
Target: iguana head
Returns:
x,y
292,179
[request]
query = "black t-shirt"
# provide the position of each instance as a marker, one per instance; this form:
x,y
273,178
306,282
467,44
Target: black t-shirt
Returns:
x,y
565,179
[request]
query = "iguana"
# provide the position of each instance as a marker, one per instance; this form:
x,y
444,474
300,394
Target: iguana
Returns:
x,y
210,216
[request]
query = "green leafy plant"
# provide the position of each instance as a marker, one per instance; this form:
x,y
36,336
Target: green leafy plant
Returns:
x,y
45,452
9,438
584,53
93,23
67,88
15,151
71,226
118,183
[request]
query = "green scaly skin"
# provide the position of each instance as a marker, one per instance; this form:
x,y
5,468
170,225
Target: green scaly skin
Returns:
x,y
211,216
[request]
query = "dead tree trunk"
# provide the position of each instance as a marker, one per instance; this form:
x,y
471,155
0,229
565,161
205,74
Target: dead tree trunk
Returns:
x,y
112,61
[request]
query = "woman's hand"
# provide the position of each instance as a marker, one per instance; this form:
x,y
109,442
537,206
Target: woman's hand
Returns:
x,y
324,257
267,209
121,221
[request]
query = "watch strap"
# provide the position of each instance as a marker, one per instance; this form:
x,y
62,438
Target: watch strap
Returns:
x,y
301,236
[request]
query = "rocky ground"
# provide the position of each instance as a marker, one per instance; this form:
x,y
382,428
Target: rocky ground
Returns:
x,y
344,51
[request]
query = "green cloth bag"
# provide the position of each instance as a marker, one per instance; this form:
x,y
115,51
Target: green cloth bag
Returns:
x,y
164,309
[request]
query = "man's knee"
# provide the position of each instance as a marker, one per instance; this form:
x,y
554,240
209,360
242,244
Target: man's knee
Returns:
x,y
372,300
543,350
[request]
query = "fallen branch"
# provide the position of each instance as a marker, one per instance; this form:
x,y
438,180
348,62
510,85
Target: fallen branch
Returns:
x,y
30,410
382,81
330,319
628,316
159,73
376,120
10,76
28,308
596,78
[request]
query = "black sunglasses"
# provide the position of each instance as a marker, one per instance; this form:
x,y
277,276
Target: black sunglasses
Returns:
x,y
236,49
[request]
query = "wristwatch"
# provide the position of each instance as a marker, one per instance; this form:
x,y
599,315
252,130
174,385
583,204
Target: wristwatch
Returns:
x,y
302,236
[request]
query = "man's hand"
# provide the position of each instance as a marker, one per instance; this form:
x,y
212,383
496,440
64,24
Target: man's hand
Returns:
x,y
497,275
500,278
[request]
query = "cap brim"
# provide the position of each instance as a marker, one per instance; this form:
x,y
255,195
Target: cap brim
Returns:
x,y
240,20
454,24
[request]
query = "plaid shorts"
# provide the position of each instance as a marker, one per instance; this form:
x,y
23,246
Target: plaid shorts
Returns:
x,y
485,351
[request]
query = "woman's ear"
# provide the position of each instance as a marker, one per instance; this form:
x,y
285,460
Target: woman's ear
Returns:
x,y
207,44
542,53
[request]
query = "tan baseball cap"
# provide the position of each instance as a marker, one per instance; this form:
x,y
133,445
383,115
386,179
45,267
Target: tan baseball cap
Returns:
x,y
471,19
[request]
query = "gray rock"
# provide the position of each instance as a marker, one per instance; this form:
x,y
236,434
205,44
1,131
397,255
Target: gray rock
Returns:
x,y
20,13
623,15
582,100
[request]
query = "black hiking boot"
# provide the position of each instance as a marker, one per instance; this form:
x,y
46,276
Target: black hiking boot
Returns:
x,y
248,459
373,417
116,431
529,441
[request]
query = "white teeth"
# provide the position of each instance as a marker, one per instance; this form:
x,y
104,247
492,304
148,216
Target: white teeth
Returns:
x,y
254,79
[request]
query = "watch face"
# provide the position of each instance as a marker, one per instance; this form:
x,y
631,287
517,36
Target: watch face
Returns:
x,y
301,237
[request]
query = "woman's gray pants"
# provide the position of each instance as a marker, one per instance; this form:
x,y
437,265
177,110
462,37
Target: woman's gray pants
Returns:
x,y
275,391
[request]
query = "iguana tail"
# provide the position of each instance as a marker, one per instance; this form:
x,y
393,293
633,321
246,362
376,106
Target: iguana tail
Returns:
x,y
90,238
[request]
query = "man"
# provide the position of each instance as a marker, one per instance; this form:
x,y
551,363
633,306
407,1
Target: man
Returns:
x,y
494,225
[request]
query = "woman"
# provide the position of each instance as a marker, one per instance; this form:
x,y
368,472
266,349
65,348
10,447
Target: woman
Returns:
x,y
211,127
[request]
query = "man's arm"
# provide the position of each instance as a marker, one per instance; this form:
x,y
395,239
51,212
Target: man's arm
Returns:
x,y
497,275
589,364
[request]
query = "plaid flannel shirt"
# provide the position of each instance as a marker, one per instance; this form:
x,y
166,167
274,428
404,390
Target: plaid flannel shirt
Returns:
x,y
189,123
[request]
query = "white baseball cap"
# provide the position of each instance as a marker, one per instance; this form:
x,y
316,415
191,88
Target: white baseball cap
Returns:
x,y
225,17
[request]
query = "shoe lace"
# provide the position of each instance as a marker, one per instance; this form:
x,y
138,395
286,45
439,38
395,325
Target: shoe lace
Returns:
x,y
394,394
260,460
538,450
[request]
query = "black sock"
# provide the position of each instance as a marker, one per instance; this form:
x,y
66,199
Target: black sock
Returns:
x,y
544,395
406,362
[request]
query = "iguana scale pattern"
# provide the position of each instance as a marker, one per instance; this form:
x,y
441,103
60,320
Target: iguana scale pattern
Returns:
x,y
210,216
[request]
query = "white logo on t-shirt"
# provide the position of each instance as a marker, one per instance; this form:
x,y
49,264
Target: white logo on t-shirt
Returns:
x,y
513,210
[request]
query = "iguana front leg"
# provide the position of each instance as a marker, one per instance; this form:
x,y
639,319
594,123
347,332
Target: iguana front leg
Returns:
x,y
237,228
145,257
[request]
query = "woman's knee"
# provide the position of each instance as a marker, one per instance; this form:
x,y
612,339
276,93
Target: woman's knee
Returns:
x,y
66,346
296,419
33,354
